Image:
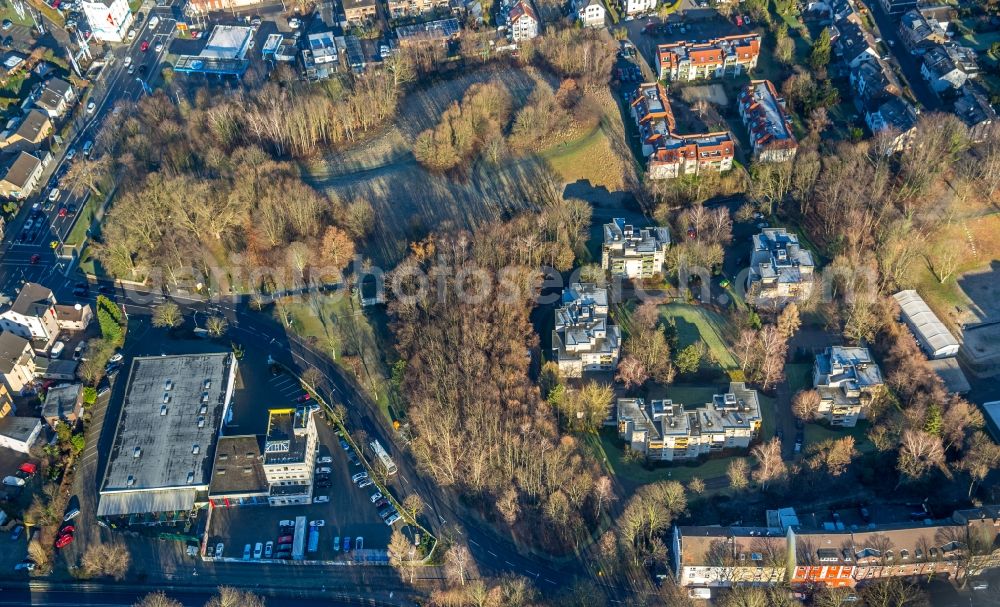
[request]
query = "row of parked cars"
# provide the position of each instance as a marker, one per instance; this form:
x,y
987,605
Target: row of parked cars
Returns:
x,y
386,511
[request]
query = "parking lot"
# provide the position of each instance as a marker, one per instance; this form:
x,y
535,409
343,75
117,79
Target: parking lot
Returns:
x,y
699,24
349,513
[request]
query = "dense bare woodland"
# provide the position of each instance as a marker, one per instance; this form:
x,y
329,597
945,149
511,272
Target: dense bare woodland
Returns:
x,y
480,422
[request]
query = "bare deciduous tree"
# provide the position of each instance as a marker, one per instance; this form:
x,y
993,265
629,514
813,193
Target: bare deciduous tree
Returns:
x,y
771,468
158,599
738,473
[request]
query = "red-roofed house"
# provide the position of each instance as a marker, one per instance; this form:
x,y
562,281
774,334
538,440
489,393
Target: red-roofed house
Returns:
x,y
716,58
523,21
768,123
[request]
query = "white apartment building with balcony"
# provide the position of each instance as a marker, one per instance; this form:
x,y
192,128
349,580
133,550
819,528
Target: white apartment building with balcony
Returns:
x,y
290,456
584,340
845,378
781,271
634,253
666,431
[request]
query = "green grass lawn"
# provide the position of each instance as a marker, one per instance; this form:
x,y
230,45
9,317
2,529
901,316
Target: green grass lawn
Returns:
x,y
333,322
7,12
694,323
634,474
79,232
799,376
817,433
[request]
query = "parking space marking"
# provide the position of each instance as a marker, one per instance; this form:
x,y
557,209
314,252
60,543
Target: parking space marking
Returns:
x,y
473,542
492,553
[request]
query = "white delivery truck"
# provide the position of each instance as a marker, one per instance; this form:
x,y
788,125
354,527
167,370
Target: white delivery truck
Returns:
x,y
299,539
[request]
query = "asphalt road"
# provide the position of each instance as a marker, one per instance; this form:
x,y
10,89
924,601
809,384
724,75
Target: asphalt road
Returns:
x,y
27,252
101,597
909,64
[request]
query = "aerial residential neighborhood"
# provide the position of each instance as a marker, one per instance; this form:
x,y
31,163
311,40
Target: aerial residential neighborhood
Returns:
x,y
512,303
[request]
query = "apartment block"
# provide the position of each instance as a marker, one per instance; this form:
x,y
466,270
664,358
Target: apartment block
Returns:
x,y
633,253
832,556
719,557
584,340
360,11
781,271
290,456
666,431
407,8
846,378
638,7
669,153
767,121
715,58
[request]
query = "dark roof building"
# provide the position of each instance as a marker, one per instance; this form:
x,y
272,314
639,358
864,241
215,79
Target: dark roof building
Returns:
x,y
238,472
160,464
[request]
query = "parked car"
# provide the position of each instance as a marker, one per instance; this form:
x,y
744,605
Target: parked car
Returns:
x,y
376,496
64,540
91,106
247,551
359,476
13,481
365,483
359,543
317,523
116,357
72,509
326,459
286,523
25,565
258,549
382,503
347,544
16,532
323,470
344,445
268,550
321,499
218,548
336,544
392,520
285,539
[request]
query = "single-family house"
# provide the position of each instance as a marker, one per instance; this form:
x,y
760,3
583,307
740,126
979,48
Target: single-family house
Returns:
x,y
27,134
73,318
948,67
55,97
919,33
975,110
17,361
898,7
591,13
853,45
32,315
359,11
63,403
896,118
633,8
406,8
22,176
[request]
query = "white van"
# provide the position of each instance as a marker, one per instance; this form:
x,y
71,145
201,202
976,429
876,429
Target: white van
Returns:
x,y
56,350
153,22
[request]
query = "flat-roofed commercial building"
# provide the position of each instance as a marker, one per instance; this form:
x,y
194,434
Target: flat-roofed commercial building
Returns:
x,y
238,473
161,460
